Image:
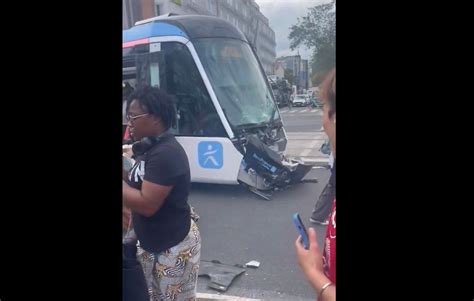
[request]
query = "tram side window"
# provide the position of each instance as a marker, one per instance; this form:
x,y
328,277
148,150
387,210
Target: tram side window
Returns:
x,y
174,70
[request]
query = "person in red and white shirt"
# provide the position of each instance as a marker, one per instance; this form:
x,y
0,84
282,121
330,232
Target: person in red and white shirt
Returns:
x,y
319,266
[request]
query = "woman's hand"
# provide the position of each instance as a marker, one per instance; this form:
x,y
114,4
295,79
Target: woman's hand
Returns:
x,y
311,262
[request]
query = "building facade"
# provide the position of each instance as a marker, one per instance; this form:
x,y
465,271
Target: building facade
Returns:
x,y
304,75
300,70
279,70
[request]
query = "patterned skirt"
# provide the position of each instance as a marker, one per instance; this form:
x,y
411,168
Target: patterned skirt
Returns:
x,y
173,273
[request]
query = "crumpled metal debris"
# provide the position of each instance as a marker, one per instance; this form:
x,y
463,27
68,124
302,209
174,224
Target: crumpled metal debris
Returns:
x,y
221,275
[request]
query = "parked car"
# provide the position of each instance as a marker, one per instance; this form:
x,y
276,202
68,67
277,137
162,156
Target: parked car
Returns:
x,y
300,100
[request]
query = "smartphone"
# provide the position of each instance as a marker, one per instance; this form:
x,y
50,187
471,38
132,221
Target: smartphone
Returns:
x,y
301,229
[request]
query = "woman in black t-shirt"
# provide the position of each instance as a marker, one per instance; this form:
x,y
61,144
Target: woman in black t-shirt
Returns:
x,y
156,191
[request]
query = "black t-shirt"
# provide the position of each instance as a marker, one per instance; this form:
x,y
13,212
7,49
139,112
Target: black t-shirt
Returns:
x,y
165,164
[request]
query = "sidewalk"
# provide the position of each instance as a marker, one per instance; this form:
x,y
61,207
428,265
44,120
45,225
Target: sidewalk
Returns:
x,y
306,145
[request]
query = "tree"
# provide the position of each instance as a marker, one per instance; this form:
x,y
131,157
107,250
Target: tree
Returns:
x,y
322,63
289,76
317,31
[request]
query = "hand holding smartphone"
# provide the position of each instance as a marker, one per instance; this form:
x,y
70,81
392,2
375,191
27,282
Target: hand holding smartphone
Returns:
x,y
301,229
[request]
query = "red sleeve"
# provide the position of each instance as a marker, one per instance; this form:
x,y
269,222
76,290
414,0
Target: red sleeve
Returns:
x,y
329,254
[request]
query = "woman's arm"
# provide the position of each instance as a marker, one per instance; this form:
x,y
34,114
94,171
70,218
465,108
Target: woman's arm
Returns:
x,y
146,201
311,262
126,216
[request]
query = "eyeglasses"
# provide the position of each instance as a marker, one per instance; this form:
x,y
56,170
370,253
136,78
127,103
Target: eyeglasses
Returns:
x,y
133,118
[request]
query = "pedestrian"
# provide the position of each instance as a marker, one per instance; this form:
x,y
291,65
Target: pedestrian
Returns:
x,y
320,267
323,205
156,191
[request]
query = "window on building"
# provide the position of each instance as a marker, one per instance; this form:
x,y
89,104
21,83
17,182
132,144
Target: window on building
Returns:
x,y
158,10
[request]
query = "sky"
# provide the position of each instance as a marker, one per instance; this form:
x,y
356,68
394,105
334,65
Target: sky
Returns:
x,y
281,15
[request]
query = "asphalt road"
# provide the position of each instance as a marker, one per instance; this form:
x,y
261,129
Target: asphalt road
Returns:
x,y
301,119
237,227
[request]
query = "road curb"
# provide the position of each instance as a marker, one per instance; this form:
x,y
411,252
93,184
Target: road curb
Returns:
x,y
212,297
